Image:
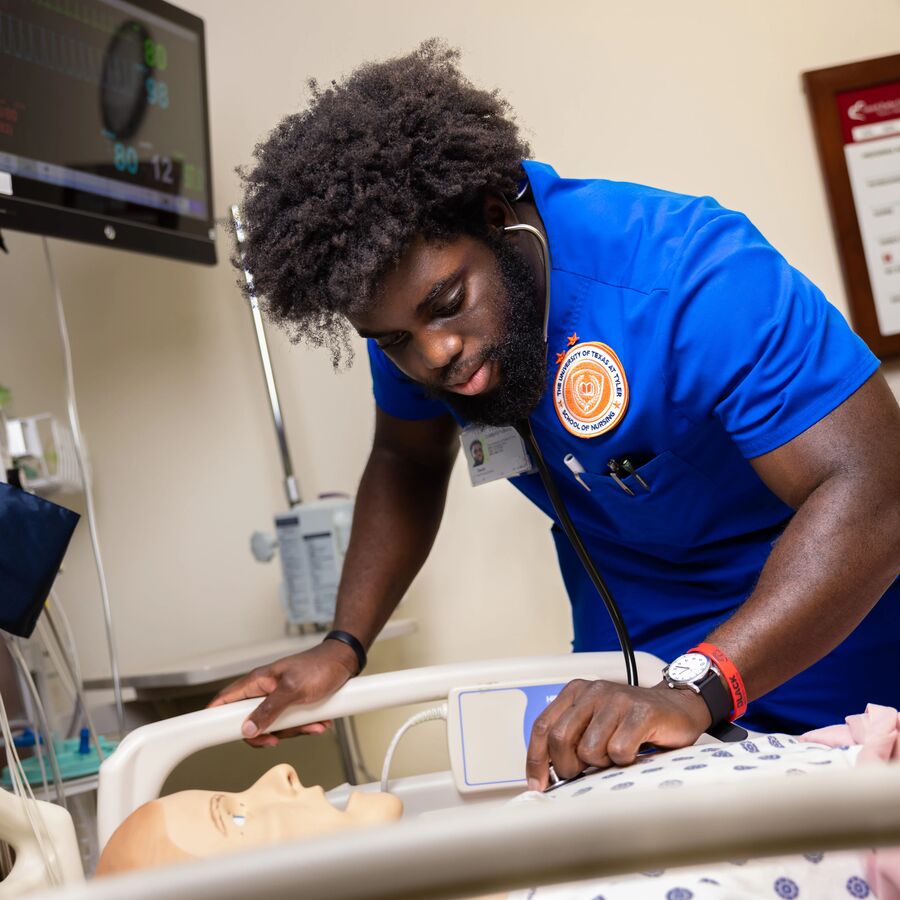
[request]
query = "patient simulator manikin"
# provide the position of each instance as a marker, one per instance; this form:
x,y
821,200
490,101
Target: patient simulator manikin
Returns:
x,y
196,824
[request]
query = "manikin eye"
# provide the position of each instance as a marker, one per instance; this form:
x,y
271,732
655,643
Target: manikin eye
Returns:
x,y
239,820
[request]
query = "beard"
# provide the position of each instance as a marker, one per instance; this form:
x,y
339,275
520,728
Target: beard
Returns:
x,y
519,350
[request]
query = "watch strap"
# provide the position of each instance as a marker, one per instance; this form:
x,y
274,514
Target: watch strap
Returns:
x,y
728,732
716,697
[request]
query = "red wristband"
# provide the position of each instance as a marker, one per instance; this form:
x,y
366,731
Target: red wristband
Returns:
x,y
730,674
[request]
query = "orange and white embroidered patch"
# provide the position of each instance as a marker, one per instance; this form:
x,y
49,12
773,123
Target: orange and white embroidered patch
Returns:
x,y
590,391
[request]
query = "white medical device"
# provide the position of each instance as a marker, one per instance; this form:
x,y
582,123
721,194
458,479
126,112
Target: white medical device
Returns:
x,y
42,448
488,727
312,539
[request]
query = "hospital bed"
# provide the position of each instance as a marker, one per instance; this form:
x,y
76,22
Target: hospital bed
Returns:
x,y
476,843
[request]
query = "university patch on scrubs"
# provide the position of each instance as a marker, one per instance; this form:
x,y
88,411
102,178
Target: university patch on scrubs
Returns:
x,y
34,536
590,391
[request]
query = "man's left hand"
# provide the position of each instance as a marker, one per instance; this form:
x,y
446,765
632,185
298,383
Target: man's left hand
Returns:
x,y
603,723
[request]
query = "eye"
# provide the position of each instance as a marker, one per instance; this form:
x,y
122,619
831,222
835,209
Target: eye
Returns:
x,y
453,307
393,342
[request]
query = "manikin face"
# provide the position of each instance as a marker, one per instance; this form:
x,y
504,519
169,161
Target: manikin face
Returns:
x,y
197,824
464,317
276,808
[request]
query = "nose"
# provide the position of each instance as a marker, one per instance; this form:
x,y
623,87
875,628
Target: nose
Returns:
x,y
437,349
281,779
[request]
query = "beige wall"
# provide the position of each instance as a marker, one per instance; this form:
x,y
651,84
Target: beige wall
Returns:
x,y
700,97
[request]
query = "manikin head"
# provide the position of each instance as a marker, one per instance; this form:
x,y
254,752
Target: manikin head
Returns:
x,y
197,824
383,205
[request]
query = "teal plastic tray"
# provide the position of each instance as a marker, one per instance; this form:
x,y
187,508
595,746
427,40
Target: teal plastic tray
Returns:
x,y
72,763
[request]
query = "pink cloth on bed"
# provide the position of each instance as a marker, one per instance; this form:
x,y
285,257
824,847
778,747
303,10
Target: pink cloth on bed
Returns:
x,y
878,731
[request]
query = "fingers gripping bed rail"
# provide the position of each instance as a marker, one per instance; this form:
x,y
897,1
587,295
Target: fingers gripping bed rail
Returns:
x,y
135,773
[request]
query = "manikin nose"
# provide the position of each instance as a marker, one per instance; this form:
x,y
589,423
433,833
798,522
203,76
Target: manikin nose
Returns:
x,y
281,779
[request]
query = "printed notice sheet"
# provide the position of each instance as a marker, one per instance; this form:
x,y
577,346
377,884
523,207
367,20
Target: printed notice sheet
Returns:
x,y
871,124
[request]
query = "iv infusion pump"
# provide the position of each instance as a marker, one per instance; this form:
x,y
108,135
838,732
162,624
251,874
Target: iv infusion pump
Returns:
x,y
312,540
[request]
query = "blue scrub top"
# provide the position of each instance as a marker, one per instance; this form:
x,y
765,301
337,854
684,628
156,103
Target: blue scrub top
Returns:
x,y
722,352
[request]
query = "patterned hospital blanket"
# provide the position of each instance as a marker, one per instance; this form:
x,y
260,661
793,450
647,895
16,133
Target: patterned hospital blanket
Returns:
x,y
812,875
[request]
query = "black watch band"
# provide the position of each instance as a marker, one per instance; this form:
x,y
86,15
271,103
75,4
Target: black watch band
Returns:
x,y
353,643
716,697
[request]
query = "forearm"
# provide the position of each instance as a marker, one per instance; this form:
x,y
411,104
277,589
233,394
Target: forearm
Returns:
x,y
833,562
399,507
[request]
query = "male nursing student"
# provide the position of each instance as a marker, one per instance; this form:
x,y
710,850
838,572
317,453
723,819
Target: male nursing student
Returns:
x,y
755,509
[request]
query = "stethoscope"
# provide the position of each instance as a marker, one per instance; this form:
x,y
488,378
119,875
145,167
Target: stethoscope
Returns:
x,y
565,520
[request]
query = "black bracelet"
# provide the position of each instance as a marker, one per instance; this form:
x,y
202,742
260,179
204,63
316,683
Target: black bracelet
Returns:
x,y
353,643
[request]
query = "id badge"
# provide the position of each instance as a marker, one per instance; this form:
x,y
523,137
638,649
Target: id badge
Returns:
x,y
493,453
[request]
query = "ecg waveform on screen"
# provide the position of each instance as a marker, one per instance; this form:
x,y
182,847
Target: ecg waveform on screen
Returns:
x,y
66,55
85,13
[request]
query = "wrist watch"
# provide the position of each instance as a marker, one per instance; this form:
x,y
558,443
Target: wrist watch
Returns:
x,y
698,673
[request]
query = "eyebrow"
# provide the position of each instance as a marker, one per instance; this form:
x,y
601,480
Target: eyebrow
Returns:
x,y
215,811
436,289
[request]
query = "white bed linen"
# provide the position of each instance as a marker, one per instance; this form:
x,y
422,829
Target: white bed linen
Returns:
x,y
813,875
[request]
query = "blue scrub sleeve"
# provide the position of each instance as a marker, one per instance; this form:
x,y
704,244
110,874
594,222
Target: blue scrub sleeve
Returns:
x,y
751,341
396,394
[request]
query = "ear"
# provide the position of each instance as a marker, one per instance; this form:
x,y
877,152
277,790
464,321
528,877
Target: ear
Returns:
x,y
497,211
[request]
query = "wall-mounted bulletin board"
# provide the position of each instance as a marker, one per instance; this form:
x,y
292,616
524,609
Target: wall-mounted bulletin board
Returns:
x,y
856,116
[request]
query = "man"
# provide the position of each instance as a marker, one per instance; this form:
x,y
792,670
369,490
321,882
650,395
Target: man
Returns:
x,y
756,497
477,450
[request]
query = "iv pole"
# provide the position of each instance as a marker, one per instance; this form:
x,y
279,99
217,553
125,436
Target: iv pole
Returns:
x,y
290,482
291,490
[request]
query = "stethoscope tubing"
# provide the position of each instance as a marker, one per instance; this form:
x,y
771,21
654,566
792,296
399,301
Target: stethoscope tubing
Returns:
x,y
571,532
565,520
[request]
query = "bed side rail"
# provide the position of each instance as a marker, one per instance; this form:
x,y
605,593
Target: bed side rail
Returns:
x,y
135,773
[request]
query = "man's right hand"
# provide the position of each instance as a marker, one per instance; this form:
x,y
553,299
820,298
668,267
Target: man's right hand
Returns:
x,y
306,677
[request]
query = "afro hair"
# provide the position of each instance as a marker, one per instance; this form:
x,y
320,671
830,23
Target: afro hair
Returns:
x,y
399,149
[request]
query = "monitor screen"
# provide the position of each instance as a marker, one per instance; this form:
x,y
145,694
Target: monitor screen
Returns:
x,y
103,125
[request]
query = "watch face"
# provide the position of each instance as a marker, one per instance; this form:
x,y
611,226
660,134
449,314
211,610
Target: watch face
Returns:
x,y
688,667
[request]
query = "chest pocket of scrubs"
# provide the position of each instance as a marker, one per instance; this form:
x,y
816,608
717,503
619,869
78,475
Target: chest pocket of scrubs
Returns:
x,y
676,511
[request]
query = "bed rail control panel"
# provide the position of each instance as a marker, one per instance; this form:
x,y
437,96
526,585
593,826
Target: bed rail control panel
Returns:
x,y
488,727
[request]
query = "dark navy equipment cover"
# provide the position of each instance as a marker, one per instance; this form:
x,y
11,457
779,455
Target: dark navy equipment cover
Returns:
x,y
34,537
728,353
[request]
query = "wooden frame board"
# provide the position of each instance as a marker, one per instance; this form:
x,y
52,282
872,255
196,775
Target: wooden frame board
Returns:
x,y
855,112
